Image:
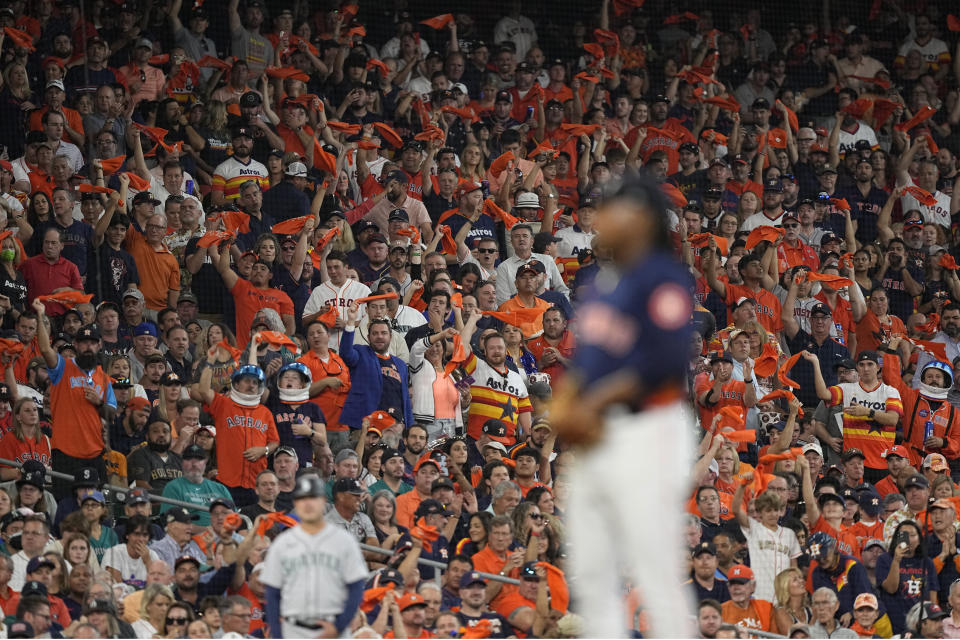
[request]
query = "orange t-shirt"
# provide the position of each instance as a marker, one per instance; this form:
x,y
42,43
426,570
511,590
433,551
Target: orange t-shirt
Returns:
x,y
13,448
567,346
77,430
424,633
768,305
731,395
159,270
257,609
847,541
842,317
487,561
407,504
249,300
238,429
330,400
73,117
871,333
757,615
58,609
512,602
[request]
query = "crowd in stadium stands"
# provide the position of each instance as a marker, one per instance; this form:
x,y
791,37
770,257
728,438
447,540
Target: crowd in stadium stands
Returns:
x,y
245,243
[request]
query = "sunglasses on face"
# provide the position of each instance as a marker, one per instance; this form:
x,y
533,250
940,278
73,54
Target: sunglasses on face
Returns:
x,y
176,621
482,250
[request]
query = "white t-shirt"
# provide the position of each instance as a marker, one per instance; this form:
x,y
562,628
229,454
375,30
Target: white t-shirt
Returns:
x,y
572,240
770,553
934,53
848,141
133,572
936,214
759,219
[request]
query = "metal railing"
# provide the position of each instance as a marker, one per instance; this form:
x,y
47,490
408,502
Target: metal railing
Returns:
x,y
440,565
758,633
117,490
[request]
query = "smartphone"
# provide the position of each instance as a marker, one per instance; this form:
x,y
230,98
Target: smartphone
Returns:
x,y
485,188
529,112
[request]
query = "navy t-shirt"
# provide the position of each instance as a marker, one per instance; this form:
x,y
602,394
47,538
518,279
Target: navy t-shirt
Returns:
x,y
285,416
392,391
918,577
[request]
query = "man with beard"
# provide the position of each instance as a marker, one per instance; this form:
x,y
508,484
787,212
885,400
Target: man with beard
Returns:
x,y
866,200
285,466
392,464
192,486
554,348
414,443
238,168
128,429
381,379
473,606
152,465
772,213
674,134
949,335
247,42
80,396
396,186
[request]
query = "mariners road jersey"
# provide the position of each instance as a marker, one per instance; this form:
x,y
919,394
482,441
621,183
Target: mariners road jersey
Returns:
x,y
238,429
312,571
860,432
80,433
231,173
495,395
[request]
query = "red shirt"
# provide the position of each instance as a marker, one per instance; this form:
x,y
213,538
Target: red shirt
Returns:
x,y
249,300
44,278
567,346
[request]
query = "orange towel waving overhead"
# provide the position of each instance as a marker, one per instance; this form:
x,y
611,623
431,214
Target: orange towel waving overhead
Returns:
x,y
69,299
724,102
154,133
136,182
278,339
953,22
761,234
447,243
674,195
932,325
211,238
858,108
93,188
11,347
766,364
771,459
781,393
458,357
947,262
494,211
700,240
231,350
464,113
431,132
923,196
832,281
937,349
343,127
329,317
518,318
841,203
388,134
438,22
327,237
581,129
425,533
500,165
543,147
372,598
112,165
20,38
744,435
791,117
163,58
923,114
215,63
235,221
681,17
782,373
269,520
379,65
411,232
292,226
731,417
326,162
393,295
356,31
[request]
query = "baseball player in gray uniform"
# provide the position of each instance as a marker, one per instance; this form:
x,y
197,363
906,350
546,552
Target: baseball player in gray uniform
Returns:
x,y
314,573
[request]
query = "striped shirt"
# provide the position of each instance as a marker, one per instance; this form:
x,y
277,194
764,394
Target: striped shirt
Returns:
x,y
771,551
860,432
496,394
231,173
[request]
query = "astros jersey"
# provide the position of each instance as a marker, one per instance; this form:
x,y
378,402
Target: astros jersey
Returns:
x,y
231,173
495,395
77,429
313,571
860,432
328,294
238,429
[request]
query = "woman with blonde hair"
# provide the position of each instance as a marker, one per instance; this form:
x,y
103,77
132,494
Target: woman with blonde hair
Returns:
x,y
942,487
471,163
748,205
210,141
15,103
25,441
793,601
156,599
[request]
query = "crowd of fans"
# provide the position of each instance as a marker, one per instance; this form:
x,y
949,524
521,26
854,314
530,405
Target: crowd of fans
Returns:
x,y
247,242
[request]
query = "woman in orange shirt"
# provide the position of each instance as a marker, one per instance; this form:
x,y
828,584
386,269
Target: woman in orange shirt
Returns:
x,y
25,441
331,382
878,326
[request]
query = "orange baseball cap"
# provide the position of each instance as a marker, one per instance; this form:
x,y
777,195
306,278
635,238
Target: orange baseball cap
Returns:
x,y
408,600
426,460
138,404
896,450
740,573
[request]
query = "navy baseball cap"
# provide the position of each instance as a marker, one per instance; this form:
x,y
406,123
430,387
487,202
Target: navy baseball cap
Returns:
x,y
471,578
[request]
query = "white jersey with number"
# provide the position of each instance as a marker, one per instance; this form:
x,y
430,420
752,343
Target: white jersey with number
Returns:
x,y
770,553
313,571
938,213
327,293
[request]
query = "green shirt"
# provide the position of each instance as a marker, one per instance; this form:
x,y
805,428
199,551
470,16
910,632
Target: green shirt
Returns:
x,y
380,485
108,538
199,494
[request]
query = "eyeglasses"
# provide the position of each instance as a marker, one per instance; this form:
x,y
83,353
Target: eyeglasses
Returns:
x,y
792,225
176,621
536,516
482,250
288,247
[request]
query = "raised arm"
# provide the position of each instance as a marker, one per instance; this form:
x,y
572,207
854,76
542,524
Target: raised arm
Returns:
x,y
43,336
821,387
220,256
790,324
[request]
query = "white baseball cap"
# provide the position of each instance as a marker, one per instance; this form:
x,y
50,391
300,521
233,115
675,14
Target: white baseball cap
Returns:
x,y
813,446
297,170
